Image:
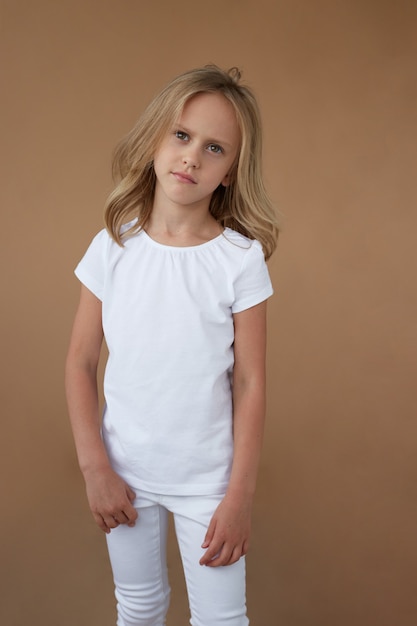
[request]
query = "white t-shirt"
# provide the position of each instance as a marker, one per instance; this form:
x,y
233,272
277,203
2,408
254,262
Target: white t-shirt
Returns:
x,y
168,324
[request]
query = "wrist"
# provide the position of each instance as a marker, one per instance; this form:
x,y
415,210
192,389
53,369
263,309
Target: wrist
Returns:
x,y
96,466
241,491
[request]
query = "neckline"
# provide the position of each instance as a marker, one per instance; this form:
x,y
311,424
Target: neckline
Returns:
x,y
197,246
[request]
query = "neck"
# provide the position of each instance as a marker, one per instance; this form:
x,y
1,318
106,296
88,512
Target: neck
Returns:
x,y
181,225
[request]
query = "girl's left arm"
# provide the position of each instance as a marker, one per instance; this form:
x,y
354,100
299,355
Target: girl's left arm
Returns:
x,y
227,537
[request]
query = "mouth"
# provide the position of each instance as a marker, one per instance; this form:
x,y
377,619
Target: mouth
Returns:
x,y
184,178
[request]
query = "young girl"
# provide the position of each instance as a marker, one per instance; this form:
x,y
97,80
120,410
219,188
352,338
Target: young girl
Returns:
x,y
177,284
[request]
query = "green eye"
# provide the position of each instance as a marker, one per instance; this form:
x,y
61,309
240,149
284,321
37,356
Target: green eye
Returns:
x,y
215,148
181,135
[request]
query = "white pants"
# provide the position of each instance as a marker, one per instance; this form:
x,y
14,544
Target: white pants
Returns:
x,y
138,557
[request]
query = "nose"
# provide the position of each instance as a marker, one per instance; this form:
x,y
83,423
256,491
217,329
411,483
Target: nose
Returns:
x,y
190,157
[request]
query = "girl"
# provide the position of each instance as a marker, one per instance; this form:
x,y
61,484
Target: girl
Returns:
x,y
177,284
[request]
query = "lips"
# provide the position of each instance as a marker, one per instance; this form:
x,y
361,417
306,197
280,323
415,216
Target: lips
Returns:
x,y
182,177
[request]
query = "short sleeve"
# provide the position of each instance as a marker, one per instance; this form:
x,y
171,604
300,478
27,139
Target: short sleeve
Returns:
x,y
91,270
253,285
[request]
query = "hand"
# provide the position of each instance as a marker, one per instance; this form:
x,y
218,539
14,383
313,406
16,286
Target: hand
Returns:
x,y
227,537
110,499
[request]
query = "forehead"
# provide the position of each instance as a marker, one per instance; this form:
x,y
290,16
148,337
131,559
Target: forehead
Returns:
x,y
211,115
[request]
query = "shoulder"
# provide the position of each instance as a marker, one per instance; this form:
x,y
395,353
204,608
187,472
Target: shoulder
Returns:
x,y
241,241
106,243
101,239
237,239
243,247
252,283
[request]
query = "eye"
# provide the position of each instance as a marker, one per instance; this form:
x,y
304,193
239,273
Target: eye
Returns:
x,y
215,148
180,134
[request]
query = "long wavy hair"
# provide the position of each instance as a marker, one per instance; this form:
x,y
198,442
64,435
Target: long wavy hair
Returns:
x,y
243,205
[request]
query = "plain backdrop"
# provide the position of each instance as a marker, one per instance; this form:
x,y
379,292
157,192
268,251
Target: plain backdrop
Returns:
x,y
334,539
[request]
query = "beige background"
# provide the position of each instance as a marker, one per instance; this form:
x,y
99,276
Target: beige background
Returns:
x,y
336,516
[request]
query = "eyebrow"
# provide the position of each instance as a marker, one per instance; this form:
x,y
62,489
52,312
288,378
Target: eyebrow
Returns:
x,y
221,142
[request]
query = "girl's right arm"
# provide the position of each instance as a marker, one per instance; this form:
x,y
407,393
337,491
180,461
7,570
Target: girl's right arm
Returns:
x,y
109,497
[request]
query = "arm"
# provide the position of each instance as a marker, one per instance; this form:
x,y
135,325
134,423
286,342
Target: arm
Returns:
x,y
110,499
227,537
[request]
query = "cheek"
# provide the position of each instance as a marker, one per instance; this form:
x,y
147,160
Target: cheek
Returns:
x,y
165,154
158,166
228,168
163,149
159,159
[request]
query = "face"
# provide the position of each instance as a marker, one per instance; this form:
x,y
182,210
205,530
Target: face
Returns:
x,y
197,154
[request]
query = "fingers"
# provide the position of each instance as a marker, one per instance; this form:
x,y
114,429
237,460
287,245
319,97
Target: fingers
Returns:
x,y
112,521
226,539
108,522
130,493
109,518
223,555
131,514
209,534
101,523
222,552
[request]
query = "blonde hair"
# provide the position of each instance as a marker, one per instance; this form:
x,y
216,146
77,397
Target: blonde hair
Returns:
x,y
243,205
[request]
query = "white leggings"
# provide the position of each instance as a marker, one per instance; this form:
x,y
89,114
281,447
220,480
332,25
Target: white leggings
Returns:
x,y
138,557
